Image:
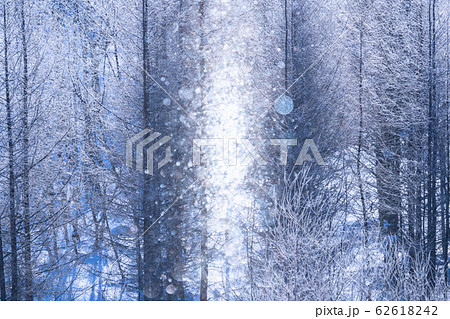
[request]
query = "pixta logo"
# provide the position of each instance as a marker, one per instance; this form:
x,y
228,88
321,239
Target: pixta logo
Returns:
x,y
141,149
226,150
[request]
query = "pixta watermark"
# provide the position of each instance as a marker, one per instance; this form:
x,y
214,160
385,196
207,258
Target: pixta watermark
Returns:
x,y
141,150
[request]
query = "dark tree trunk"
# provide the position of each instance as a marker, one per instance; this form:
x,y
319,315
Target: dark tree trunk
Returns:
x,y
26,165
152,258
446,208
360,145
432,169
204,213
204,258
2,268
11,175
388,170
138,257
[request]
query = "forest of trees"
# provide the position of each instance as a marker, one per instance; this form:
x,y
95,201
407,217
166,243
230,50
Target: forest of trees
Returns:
x,y
369,81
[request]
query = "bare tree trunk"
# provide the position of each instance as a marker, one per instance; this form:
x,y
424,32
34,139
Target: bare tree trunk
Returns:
x,y
445,215
11,180
444,182
388,175
152,258
204,259
138,257
444,206
2,269
204,214
360,142
26,166
431,180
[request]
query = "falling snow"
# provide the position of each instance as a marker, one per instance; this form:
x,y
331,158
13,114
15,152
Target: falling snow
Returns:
x,y
284,105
